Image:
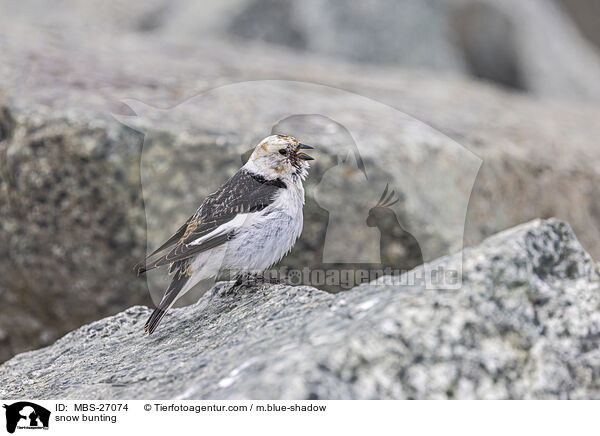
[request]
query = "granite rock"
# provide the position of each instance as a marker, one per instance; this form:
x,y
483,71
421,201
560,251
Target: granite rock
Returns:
x,y
524,324
75,183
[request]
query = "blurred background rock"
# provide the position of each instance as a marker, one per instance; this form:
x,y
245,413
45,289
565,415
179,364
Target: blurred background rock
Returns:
x,y
516,82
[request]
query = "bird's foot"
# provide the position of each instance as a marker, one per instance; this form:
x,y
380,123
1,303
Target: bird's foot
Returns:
x,y
273,280
235,286
250,280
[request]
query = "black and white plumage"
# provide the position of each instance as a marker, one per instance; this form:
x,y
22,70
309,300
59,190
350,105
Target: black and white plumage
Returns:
x,y
244,227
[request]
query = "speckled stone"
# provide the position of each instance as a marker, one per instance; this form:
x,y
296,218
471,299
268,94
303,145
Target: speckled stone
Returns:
x,y
72,192
524,325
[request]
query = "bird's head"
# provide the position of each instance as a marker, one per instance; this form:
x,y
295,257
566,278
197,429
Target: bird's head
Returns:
x,y
280,156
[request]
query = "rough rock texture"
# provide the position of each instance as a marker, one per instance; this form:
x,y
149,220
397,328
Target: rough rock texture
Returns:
x,y
64,214
524,325
71,201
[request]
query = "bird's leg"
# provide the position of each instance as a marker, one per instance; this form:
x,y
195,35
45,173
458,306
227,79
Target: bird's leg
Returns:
x,y
253,279
262,278
273,280
241,280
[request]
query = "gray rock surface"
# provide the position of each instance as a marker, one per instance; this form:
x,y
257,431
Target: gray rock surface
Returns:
x,y
586,14
64,214
504,41
524,325
528,45
71,210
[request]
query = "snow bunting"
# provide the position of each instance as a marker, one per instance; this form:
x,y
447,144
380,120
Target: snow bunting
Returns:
x,y
243,228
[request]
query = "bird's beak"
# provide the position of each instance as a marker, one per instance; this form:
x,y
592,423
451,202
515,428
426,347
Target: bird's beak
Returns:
x,y
304,156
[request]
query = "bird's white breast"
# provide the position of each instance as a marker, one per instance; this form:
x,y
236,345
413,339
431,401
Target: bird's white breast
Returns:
x,y
261,240
266,237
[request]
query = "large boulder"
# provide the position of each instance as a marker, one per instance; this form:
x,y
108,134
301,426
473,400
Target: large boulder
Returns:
x,y
73,178
586,14
523,325
64,213
503,41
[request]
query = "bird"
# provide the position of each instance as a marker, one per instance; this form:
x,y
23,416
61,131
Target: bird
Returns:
x,y
243,228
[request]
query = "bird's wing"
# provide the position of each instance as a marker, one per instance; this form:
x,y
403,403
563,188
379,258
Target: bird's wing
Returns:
x,y
169,242
220,215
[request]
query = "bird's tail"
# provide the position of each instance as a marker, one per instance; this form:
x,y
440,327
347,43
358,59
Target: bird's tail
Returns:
x,y
171,294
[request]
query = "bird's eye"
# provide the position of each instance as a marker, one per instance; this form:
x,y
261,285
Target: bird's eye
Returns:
x,y
283,151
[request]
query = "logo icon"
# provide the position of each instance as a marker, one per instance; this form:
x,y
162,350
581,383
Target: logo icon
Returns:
x,y
387,195
26,415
